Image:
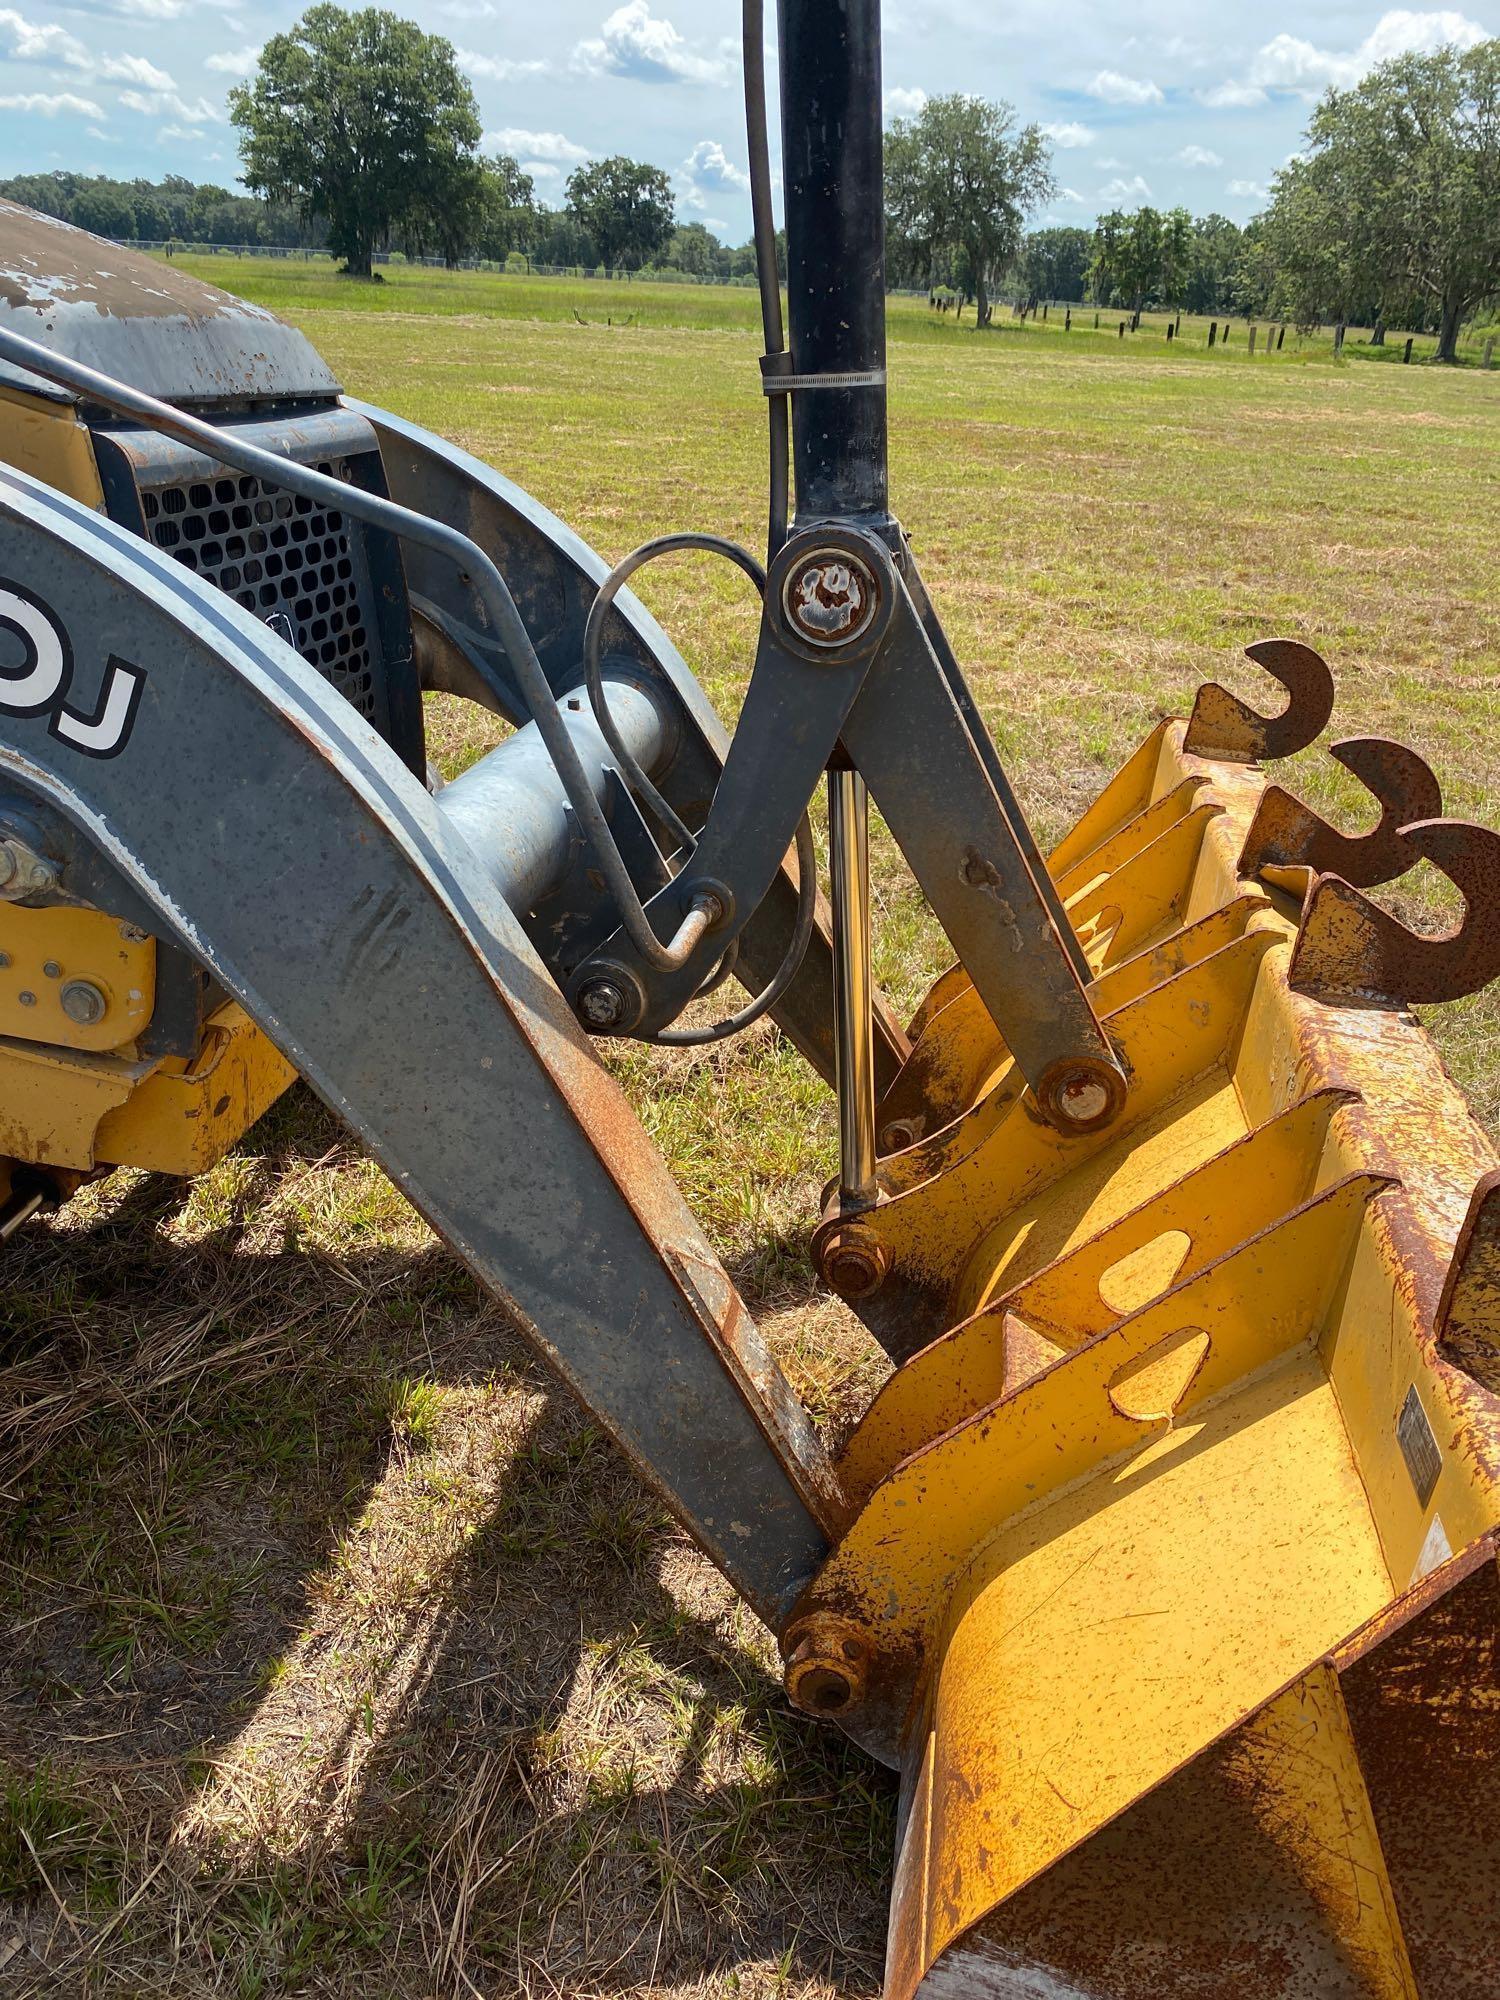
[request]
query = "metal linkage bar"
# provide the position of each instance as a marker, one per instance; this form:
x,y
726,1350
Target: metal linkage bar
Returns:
x,y
293,854
849,872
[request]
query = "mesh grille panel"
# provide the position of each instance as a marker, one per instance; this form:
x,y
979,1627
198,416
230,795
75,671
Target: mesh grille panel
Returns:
x,y
291,563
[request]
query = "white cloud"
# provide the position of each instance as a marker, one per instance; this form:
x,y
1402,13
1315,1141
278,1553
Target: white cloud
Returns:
x,y
466,10
47,42
535,147
1291,64
234,62
98,132
1119,189
49,104
636,43
1070,134
1248,190
1070,195
1198,156
710,166
1107,161
154,103
1112,88
1232,96
499,69
902,102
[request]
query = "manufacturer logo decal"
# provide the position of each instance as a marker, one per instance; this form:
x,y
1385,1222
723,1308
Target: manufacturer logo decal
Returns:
x,y
39,685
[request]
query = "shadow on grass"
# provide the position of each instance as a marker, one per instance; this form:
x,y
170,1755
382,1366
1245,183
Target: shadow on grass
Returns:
x,y
348,1656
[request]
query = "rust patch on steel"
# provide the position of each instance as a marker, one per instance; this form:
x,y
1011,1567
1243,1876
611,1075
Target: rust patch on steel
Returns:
x,y
1348,947
1223,726
1286,833
1468,1315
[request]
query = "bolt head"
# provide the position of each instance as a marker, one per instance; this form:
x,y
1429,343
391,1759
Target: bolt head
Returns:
x,y
853,1260
1082,1096
601,1003
827,1665
831,599
84,1003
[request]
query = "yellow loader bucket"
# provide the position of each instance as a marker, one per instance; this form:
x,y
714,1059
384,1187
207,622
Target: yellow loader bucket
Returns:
x,y
1173,1587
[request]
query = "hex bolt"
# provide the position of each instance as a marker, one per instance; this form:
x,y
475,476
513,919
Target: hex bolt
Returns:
x,y
84,1003
26,999
853,1260
52,969
601,1003
827,1665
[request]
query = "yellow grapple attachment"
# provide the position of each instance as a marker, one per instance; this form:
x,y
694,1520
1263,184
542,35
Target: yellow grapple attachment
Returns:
x,y
1173,1588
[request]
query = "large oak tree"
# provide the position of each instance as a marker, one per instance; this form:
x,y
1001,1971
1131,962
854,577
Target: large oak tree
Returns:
x,y
362,120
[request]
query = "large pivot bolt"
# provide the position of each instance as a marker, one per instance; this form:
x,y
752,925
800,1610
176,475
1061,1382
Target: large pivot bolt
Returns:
x,y
1081,1095
827,1665
830,593
608,999
852,1260
830,598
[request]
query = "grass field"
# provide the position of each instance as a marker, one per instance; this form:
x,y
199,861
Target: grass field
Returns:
x,y
345,1657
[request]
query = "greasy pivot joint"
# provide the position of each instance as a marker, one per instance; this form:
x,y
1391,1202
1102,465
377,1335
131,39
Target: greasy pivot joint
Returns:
x,y
851,1259
1081,1095
827,1663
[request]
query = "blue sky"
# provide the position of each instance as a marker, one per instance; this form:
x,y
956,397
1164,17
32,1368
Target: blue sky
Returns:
x,y
1165,102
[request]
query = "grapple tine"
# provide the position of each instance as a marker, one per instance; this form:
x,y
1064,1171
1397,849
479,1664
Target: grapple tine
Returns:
x,y
1287,833
1348,947
1225,727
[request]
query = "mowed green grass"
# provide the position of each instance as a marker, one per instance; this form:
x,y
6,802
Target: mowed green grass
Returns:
x,y
346,1658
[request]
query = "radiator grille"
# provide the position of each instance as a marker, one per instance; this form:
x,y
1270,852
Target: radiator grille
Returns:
x,y
291,562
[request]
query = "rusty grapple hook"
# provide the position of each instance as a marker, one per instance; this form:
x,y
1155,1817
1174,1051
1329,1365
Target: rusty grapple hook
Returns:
x,y
1286,833
1348,946
1222,726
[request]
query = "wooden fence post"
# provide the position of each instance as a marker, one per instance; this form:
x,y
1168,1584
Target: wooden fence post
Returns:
x,y
1489,352
1213,331
1252,340
1406,357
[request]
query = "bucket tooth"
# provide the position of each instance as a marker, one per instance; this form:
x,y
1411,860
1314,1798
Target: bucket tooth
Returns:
x,y
1226,728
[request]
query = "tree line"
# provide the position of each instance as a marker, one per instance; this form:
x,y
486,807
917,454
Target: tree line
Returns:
x,y
359,133
1389,213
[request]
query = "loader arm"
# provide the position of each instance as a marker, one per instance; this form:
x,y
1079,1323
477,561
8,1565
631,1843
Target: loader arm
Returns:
x,y
243,787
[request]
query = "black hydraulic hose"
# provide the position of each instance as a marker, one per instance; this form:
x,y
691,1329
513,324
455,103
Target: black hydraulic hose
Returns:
x,y
593,638
807,879
471,562
757,138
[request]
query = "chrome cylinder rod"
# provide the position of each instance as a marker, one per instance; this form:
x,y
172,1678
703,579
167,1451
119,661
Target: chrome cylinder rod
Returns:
x,y
853,1019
